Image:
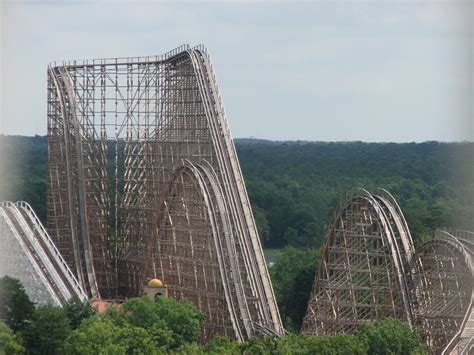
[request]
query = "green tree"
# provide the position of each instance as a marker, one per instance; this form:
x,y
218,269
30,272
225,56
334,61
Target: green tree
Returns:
x,y
391,336
9,342
254,345
292,278
16,309
162,337
77,310
137,341
192,348
169,323
328,345
182,318
222,345
47,331
346,344
95,336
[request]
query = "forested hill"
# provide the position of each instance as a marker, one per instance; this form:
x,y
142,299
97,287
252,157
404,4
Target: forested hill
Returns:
x,y
294,187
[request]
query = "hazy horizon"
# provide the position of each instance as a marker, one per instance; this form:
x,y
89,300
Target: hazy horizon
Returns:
x,y
295,140
387,71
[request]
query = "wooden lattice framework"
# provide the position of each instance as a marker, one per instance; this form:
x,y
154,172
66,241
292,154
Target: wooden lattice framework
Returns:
x,y
445,292
144,182
362,275
369,270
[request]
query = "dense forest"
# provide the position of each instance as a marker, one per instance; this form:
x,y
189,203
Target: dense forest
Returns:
x,y
295,187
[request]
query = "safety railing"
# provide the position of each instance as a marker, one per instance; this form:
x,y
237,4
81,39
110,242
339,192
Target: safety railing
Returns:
x,y
43,234
6,209
126,60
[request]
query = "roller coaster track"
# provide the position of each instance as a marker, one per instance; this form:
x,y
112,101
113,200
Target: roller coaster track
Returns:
x,y
144,182
445,314
41,252
237,195
363,274
435,283
463,341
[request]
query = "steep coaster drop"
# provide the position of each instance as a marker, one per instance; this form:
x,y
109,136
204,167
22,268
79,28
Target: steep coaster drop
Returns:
x,y
144,182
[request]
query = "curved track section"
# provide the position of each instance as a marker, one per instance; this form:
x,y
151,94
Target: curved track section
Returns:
x,y
195,255
363,273
143,173
44,260
445,292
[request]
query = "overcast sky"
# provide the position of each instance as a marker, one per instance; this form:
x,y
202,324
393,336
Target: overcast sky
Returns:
x,y
323,70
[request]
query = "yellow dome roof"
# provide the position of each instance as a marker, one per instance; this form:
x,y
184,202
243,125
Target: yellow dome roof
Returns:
x,y
155,283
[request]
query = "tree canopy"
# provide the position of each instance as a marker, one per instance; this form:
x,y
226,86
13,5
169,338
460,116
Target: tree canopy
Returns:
x,y
141,323
47,331
144,326
10,343
16,308
390,336
292,277
295,187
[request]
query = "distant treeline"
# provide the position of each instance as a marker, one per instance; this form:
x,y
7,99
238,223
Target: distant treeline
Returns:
x,y
294,187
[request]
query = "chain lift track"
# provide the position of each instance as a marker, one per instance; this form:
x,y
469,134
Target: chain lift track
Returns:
x,y
144,182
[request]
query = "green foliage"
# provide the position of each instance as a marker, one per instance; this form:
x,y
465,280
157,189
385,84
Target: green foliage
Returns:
x,y
391,336
163,338
305,344
23,174
222,345
16,309
344,344
191,348
77,311
387,336
137,340
292,278
182,318
290,344
9,342
140,325
47,331
171,324
95,336
294,187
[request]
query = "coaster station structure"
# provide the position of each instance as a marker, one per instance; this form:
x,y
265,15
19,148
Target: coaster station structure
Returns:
x,y
144,182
